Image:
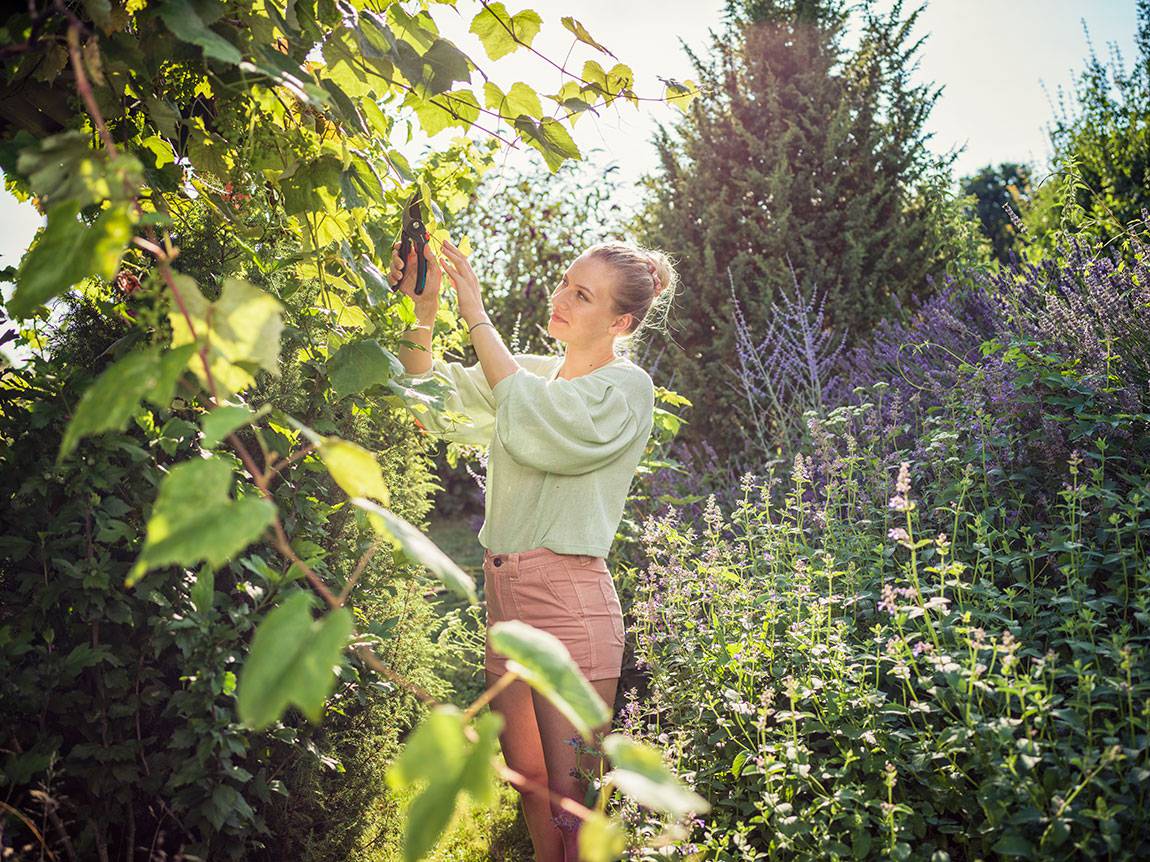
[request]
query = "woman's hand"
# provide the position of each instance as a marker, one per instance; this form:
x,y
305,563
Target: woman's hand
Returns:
x,y
466,283
427,303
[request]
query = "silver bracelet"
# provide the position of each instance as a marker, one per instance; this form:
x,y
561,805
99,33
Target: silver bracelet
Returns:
x,y
480,323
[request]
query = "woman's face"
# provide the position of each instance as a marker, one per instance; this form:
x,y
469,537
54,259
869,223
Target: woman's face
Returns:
x,y
581,304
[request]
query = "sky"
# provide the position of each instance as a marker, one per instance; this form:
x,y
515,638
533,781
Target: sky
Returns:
x,y
992,58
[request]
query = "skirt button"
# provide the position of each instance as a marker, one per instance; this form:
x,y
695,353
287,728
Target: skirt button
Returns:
x,y
498,561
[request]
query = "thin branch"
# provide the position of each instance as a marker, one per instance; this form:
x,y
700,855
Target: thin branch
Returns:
x,y
84,86
360,567
490,693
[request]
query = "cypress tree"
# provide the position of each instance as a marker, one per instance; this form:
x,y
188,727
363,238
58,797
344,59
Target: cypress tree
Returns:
x,y
799,153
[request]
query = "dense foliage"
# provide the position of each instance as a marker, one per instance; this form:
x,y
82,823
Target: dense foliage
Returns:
x,y
802,169
1101,143
217,437
1000,194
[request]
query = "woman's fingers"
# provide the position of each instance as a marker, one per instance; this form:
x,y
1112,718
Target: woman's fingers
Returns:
x,y
433,267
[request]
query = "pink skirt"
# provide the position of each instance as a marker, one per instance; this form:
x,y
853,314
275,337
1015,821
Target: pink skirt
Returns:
x,y
571,596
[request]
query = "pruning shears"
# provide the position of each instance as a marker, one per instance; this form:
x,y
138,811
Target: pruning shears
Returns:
x,y
414,233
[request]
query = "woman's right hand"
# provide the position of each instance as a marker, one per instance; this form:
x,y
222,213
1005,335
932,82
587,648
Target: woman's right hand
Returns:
x,y
427,303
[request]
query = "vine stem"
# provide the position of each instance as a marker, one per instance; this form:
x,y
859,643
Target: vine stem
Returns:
x,y
83,84
482,700
562,69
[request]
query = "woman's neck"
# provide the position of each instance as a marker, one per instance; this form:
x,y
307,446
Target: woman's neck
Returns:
x,y
577,362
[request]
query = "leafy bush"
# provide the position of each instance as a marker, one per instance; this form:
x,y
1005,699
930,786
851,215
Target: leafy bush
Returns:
x,y
121,703
1101,148
185,488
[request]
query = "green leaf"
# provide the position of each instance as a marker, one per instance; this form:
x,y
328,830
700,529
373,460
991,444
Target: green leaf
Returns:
x,y
499,31
354,469
595,76
641,774
601,839
434,753
181,18
204,589
113,398
680,95
546,665
1014,844
478,775
69,251
241,329
219,423
292,662
160,149
447,65
427,818
195,520
620,78
581,33
550,138
417,30
418,548
521,100
438,755
457,108
346,109
344,55
287,73
439,737
360,365
63,166
314,185
375,285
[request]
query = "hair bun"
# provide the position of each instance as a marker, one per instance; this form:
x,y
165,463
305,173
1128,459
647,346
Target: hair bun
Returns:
x,y
653,269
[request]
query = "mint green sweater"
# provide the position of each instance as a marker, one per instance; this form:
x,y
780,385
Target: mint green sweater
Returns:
x,y
562,452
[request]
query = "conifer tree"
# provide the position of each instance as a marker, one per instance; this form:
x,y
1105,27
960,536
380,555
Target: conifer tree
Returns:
x,y
804,153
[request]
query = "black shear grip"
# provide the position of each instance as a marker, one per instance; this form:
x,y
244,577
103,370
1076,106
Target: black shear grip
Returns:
x,y
414,233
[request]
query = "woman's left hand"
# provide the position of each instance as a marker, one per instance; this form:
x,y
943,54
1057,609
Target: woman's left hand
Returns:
x,y
465,281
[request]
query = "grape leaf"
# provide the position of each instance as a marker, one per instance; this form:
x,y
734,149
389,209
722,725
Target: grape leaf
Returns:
x,y
639,772
109,402
546,665
195,520
241,329
291,662
418,548
182,19
494,26
69,251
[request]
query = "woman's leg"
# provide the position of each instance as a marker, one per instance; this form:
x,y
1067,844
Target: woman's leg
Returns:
x,y
523,751
562,759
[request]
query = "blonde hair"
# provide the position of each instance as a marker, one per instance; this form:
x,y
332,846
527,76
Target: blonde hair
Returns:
x,y
644,278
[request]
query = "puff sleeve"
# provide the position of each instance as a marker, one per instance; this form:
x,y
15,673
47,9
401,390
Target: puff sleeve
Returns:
x,y
469,394
563,426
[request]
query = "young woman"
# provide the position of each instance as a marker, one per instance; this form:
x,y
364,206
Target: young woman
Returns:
x,y
565,435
